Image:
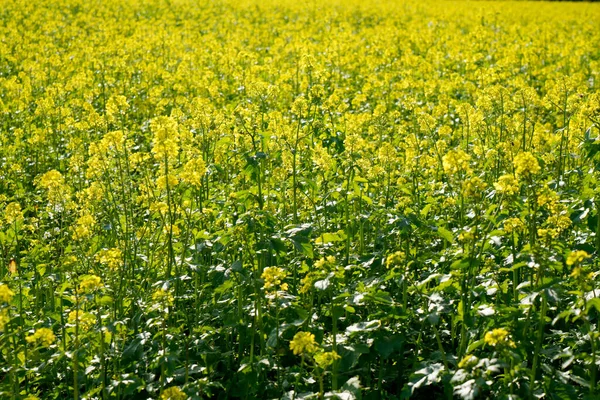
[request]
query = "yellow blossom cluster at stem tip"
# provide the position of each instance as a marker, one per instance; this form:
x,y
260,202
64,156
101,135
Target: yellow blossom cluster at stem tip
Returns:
x,y
455,161
273,277
13,213
498,336
4,318
42,336
85,319
577,257
163,296
507,184
6,294
90,283
112,258
173,393
84,227
468,361
526,164
303,342
326,358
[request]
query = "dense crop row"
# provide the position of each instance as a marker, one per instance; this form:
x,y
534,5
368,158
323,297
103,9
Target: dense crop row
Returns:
x,y
281,199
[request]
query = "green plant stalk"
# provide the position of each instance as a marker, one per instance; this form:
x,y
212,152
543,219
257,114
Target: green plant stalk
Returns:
x,y
171,255
538,345
334,377
163,369
76,351
321,386
440,345
597,226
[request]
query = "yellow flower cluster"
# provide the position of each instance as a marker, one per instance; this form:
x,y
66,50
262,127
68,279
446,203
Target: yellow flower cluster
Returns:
x,y
193,172
507,184
85,319
455,161
13,213
112,258
514,225
326,358
42,336
90,283
54,183
497,337
162,296
84,227
526,164
173,393
303,343
577,257
6,294
165,144
273,277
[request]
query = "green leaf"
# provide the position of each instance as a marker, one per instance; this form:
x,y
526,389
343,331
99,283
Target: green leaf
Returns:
x,y
445,234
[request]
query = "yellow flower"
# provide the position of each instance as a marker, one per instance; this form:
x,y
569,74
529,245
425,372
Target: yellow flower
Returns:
x,y
303,342
513,225
173,393
6,294
273,277
162,296
83,227
325,359
577,257
113,258
90,283
85,319
455,161
54,183
51,179
43,336
468,361
526,164
473,187
507,184
498,336
13,213
193,172
395,258
165,143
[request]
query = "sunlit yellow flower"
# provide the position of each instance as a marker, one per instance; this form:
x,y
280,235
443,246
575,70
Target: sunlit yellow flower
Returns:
x,y
577,257
90,283
526,164
163,296
13,213
43,336
498,336
507,184
83,227
112,258
6,294
273,277
455,161
468,361
193,172
173,393
325,359
85,319
4,318
303,342
513,225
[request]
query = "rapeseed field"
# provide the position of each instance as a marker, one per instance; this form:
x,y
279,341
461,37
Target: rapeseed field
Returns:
x,y
299,200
